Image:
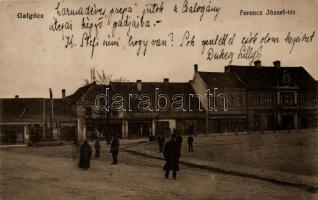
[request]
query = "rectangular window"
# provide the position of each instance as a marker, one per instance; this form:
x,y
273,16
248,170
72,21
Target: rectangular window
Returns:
x,y
257,100
303,99
270,100
287,98
316,100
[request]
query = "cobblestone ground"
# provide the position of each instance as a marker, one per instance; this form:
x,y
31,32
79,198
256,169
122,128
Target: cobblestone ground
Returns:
x,y
52,173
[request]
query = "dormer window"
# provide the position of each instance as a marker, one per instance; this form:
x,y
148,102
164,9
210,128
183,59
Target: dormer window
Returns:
x,y
286,77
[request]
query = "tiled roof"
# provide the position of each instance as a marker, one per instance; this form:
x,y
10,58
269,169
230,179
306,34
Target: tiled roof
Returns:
x,y
170,89
221,80
268,77
79,93
87,93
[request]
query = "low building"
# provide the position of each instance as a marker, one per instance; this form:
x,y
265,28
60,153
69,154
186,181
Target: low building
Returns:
x,y
134,112
32,119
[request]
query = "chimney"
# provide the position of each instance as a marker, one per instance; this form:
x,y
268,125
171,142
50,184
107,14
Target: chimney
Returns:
x,y
257,63
276,64
139,85
16,96
63,93
166,80
195,67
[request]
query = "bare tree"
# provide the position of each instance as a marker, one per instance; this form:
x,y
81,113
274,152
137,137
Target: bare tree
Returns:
x,y
103,78
87,82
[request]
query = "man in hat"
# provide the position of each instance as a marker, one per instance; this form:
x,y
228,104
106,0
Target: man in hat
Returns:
x,y
171,154
179,140
161,142
114,148
97,148
190,143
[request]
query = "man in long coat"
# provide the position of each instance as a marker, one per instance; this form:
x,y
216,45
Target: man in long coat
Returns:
x,y
97,148
171,154
190,139
85,156
161,142
179,140
114,149
190,143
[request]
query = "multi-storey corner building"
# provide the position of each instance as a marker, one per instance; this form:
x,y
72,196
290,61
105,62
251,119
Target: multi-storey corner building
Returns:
x,y
278,98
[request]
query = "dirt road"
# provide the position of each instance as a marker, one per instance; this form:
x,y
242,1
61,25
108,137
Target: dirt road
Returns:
x,y
48,173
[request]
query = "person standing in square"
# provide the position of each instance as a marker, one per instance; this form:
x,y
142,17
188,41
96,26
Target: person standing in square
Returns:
x,y
190,143
114,149
97,149
161,142
171,154
85,156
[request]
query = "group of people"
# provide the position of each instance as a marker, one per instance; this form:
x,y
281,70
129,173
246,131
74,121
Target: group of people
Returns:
x,y
86,152
172,152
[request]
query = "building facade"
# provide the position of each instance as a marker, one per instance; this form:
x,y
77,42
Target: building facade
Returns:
x,y
278,98
240,99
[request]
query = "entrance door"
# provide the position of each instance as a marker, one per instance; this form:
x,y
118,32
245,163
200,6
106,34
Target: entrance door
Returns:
x,y
162,128
288,122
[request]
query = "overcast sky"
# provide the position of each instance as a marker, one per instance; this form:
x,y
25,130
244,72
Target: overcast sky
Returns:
x,y
33,59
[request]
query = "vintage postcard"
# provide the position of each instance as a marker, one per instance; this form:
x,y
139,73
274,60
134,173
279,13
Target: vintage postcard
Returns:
x,y
159,99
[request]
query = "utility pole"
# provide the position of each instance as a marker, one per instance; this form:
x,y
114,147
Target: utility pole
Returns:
x,y
107,113
44,121
207,121
51,112
247,123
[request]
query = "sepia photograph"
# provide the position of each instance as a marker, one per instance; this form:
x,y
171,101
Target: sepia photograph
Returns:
x,y
158,99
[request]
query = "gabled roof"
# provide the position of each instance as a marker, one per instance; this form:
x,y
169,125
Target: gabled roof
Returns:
x,y
268,77
221,80
170,88
79,93
87,92
32,109
90,92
